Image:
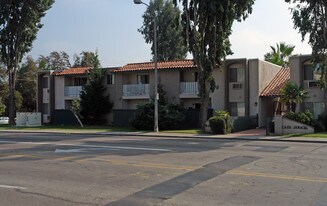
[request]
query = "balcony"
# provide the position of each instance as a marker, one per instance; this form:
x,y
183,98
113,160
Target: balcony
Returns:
x,y
188,90
136,91
73,91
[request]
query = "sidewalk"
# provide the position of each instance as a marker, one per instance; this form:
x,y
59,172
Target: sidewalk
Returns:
x,y
253,135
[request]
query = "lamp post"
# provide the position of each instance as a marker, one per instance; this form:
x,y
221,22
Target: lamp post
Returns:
x,y
156,95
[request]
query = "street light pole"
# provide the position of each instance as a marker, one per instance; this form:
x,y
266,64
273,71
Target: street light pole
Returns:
x,y
156,95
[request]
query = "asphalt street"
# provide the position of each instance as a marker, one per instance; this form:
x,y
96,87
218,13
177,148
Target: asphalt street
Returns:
x,y
76,169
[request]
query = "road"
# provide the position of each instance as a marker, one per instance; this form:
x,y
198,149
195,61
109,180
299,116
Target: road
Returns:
x,y
54,169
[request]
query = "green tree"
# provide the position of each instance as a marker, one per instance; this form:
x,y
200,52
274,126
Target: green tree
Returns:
x,y
94,103
280,55
171,44
292,94
86,59
208,25
170,115
310,17
19,24
56,60
2,107
26,84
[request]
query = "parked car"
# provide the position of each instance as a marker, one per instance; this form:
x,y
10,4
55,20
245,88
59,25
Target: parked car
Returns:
x,y
4,120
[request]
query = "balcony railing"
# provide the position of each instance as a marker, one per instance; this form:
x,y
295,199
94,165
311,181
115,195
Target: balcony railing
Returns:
x,y
136,89
189,88
73,91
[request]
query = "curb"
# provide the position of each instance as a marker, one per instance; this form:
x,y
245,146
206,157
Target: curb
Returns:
x,y
205,137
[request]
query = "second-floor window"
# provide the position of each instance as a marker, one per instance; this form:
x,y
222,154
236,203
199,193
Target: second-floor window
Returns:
x,y
80,81
236,75
110,79
45,82
311,73
143,79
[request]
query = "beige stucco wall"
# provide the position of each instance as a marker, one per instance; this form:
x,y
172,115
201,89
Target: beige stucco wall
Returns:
x,y
170,81
296,69
218,96
237,95
260,75
59,92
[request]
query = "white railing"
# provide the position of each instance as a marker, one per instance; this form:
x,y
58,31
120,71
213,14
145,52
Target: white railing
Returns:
x,y
189,88
136,89
73,91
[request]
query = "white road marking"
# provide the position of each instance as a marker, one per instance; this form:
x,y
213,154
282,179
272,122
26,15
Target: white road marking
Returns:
x,y
90,146
193,143
12,187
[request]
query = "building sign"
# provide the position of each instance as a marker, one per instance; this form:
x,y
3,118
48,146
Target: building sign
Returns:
x,y
284,126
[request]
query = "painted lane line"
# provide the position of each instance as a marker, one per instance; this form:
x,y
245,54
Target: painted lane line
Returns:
x,y
276,176
12,187
149,165
92,146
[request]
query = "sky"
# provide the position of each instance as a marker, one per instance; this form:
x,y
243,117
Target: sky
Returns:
x,y
110,27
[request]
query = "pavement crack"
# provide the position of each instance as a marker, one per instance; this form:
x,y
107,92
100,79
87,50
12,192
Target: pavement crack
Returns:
x,y
54,198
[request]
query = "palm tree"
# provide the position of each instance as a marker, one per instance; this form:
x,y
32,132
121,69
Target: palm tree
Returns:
x,y
280,55
292,94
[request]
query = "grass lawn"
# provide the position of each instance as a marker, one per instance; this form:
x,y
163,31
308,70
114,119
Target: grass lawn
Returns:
x,y
185,131
68,129
315,135
89,129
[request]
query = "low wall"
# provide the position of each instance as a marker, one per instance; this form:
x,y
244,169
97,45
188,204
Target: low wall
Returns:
x,y
285,126
28,119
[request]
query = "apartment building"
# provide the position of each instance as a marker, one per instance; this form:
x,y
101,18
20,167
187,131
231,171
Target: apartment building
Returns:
x,y
306,75
239,85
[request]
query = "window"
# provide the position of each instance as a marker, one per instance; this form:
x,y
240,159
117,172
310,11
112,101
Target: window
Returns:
x,y
233,75
181,76
143,79
110,79
237,109
45,82
45,108
236,75
311,73
80,81
196,76
316,108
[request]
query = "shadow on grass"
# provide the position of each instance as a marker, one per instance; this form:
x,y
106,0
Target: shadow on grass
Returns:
x,y
95,129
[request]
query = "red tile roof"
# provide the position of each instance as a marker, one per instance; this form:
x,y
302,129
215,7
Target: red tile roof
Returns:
x,y
177,64
274,87
73,71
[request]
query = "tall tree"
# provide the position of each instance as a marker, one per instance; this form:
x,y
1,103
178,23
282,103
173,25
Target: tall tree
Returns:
x,y
171,44
2,107
26,84
94,103
310,17
19,24
280,55
56,60
86,59
208,25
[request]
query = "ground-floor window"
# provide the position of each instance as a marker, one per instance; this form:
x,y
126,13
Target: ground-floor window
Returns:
x,y
45,108
316,108
237,109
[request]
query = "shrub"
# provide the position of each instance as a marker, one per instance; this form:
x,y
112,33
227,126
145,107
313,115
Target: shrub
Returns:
x,y
228,120
170,116
321,123
303,117
218,125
